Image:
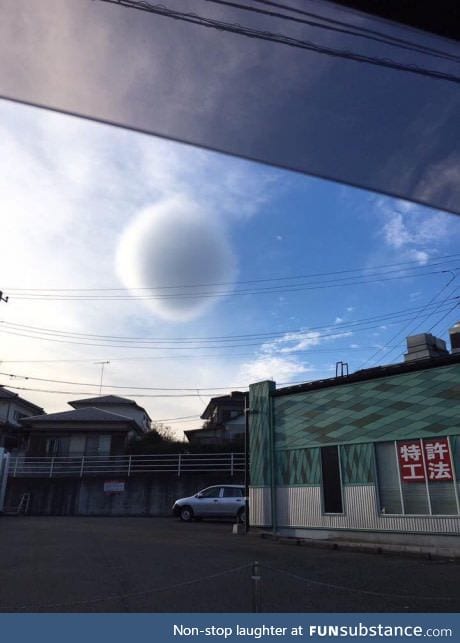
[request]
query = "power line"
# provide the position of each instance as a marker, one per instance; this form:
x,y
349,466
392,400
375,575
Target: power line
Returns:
x,y
339,331
342,23
375,271
430,314
282,289
136,388
282,39
351,31
430,303
443,317
137,395
152,395
179,357
182,343
178,419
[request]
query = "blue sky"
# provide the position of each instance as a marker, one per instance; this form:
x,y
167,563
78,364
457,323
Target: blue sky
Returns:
x,y
86,206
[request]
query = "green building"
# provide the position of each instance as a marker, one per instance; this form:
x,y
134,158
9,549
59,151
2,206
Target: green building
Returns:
x,y
374,455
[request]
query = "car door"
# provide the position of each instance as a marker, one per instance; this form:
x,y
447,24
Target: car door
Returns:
x,y
207,502
231,502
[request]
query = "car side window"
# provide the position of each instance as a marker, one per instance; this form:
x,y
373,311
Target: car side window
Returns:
x,y
232,492
212,492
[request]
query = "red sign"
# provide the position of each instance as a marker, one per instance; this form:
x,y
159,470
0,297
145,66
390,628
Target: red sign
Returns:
x,y
438,461
433,463
411,464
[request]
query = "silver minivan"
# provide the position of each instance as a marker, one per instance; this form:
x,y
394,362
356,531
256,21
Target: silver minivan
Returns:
x,y
218,501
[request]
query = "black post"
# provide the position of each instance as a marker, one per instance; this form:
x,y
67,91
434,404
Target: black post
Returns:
x,y
246,461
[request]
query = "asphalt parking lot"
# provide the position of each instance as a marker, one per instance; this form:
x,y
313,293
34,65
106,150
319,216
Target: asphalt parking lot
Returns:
x,y
73,564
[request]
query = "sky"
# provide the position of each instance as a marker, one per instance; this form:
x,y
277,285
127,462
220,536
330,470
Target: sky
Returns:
x,y
194,274
360,99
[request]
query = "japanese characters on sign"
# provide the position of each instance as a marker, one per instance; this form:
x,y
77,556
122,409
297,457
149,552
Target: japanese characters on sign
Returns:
x,y
421,460
438,460
411,463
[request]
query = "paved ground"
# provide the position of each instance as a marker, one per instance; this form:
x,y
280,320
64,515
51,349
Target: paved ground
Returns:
x,y
72,564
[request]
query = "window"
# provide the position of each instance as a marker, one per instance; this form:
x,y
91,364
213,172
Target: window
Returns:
x,y
417,477
56,447
331,480
211,492
388,479
233,492
98,445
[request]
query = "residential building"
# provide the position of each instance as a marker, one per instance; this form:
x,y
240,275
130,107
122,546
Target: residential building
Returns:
x,y
224,421
13,409
120,405
371,456
95,426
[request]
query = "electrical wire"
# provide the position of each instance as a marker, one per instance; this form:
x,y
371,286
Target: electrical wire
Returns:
x,y
282,39
282,289
421,323
351,31
178,343
443,317
375,270
146,395
178,357
359,28
137,388
430,303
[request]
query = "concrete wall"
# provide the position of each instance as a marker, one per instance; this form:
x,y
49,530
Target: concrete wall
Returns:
x,y
146,495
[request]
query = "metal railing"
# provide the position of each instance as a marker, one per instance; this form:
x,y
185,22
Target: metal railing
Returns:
x,y
125,465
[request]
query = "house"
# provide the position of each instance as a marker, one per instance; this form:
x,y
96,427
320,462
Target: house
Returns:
x,y
224,421
95,426
13,409
115,404
371,456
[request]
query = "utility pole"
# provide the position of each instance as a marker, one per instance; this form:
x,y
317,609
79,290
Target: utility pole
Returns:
x,y
102,364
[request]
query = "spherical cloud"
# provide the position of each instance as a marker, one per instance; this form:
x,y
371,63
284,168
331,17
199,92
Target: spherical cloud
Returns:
x,y
175,249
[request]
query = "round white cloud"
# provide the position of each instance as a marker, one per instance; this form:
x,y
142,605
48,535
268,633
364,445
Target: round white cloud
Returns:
x,y
176,249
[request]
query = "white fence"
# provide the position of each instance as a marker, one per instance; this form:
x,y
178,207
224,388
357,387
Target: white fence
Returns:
x,y
125,465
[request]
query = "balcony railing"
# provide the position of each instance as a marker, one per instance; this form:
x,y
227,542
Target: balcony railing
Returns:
x,y
125,465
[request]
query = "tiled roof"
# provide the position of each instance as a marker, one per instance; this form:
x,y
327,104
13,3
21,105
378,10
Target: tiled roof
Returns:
x,y
6,394
371,374
89,414
106,400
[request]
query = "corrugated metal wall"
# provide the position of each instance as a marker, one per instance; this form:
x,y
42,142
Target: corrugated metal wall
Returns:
x,y
260,507
301,507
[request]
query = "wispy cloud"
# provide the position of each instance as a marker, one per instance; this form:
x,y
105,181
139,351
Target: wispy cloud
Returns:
x,y
277,360
303,340
273,368
415,232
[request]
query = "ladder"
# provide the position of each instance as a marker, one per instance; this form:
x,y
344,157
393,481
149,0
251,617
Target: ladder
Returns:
x,y
22,508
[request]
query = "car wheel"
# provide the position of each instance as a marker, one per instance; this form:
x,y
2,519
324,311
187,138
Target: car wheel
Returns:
x,y
241,516
186,514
